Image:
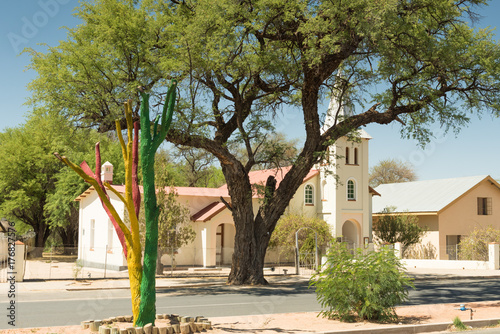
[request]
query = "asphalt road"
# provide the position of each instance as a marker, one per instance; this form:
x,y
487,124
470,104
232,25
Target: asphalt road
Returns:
x,y
39,309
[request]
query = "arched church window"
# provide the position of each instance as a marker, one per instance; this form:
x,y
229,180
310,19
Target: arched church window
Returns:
x,y
356,156
309,195
351,190
347,155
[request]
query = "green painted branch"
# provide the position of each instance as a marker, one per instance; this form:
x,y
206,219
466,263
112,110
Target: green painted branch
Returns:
x,y
148,146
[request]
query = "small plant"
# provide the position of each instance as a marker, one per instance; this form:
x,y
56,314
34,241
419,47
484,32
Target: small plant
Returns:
x,y
365,285
459,325
77,269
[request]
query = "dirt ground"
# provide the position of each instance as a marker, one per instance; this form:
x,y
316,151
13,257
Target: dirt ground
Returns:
x,y
291,323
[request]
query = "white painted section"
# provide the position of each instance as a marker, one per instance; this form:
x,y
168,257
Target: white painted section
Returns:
x,y
494,255
446,264
91,209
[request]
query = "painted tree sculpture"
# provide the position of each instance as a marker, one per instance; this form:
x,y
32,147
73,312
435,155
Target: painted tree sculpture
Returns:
x,y
142,277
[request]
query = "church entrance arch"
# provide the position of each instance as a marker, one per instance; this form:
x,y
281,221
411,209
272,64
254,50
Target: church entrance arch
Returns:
x,y
350,233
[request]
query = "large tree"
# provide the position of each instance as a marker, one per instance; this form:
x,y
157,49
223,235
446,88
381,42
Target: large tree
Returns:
x,y
392,171
239,62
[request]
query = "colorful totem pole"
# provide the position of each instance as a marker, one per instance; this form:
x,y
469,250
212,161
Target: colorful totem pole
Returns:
x,y
142,277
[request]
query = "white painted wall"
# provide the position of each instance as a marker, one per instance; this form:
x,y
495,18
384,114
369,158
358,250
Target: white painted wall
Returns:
x,y
91,209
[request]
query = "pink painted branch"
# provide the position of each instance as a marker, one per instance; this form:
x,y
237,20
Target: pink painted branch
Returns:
x,y
97,176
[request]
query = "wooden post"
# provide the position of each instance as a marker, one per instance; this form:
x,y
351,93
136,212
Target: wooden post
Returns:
x,y
177,328
185,329
148,329
94,326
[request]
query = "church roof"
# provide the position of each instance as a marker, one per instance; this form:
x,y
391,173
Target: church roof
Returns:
x,y
425,196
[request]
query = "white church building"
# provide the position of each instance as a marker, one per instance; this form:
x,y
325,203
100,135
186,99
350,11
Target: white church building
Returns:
x,y
337,192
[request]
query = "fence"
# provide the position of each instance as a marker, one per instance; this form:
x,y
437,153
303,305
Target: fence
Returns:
x,y
492,262
70,263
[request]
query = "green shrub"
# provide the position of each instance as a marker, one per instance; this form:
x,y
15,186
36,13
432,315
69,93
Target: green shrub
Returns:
x,y
459,325
283,237
475,245
367,285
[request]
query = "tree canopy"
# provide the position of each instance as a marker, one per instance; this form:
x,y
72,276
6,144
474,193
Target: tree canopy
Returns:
x,y
391,171
35,189
238,63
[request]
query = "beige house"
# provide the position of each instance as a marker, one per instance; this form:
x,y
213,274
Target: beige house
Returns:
x,y
344,205
450,208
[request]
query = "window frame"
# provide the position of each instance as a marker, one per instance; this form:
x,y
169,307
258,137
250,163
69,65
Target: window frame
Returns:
x,y
354,190
311,187
111,231
484,206
92,235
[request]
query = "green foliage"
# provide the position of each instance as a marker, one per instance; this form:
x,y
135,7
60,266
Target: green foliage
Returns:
x,y
391,171
475,245
459,325
36,190
174,224
283,237
240,63
403,228
368,286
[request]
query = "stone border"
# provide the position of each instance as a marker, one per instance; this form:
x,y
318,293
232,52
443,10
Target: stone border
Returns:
x,y
411,329
178,325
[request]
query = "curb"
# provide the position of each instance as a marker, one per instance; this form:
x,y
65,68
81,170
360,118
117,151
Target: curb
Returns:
x,y
451,278
158,287
411,329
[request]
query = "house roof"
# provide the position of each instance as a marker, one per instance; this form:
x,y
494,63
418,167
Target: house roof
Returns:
x,y
208,212
425,196
214,208
259,177
181,191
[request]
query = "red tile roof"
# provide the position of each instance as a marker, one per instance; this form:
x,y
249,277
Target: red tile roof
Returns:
x,y
259,177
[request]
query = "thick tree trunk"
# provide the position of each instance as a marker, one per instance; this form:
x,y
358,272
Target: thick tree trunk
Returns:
x,y
248,258
42,232
69,233
159,265
251,238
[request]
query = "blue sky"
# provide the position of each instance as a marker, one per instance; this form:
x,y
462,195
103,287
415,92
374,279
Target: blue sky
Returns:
x,y
27,23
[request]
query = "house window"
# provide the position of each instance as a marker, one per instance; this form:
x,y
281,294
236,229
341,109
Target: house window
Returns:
x,y
309,195
484,206
351,190
111,231
92,232
347,155
355,156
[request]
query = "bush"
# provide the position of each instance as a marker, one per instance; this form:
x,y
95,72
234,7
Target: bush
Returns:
x,y
283,236
475,246
459,325
403,228
367,285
